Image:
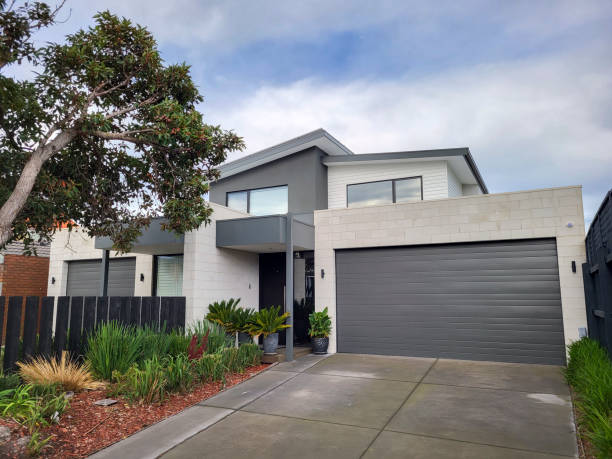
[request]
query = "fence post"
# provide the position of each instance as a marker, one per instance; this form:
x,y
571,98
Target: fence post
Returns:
x,y
2,300
13,330
135,307
102,310
30,325
76,324
61,324
45,332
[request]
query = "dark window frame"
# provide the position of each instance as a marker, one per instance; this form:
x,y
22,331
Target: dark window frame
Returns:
x,y
393,197
154,271
248,192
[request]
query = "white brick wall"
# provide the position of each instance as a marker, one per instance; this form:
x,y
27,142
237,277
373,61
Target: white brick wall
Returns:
x,y
454,185
213,274
517,215
434,173
77,245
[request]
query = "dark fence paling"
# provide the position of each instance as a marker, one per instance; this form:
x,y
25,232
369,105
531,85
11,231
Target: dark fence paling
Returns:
x,y
597,275
75,319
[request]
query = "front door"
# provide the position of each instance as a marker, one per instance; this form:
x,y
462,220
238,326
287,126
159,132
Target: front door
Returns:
x,y
272,277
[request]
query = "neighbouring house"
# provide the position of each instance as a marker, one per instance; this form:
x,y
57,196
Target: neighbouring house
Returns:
x,y
408,250
23,275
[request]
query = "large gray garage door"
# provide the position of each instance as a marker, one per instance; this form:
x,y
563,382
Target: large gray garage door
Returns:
x,y
495,301
84,277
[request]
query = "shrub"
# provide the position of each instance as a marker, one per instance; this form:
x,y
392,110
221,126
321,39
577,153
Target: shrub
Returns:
x,y
217,337
10,381
179,342
197,347
589,371
249,355
145,383
178,373
114,348
64,373
154,343
25,406
210,368
231,361
222,312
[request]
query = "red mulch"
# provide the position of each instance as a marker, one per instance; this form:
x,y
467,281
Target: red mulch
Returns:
x,y
85,428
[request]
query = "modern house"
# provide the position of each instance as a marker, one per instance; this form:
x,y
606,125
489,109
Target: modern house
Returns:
x,y
408,250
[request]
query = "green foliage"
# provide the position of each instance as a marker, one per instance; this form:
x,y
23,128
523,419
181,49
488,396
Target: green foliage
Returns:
x,y
103,109
249,355
242,319
145,383
589,371
32,407
210,368
223,313
320,324
230,360
217,337
178,373
179,343
10,381
267,321
114,348
154,343
36,444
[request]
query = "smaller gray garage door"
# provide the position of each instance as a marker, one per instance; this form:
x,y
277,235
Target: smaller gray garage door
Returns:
x,y
84,277
495,301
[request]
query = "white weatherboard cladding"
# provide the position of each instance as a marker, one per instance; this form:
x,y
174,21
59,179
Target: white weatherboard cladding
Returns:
x,y
454,185
434,173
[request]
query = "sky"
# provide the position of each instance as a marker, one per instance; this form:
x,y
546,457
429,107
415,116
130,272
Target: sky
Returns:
x,y
526,85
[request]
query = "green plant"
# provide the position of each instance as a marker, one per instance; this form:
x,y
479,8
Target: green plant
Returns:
x,y
210,367
10,381
217,337
154,343
36,444
179,342
231,361
32,406
66,373
222,312
267,321
113,347
249,355
145,383
589,371
178,373
320,324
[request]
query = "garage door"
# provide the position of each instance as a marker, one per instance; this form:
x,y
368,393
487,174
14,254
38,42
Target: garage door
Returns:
x,y
84,277
496,301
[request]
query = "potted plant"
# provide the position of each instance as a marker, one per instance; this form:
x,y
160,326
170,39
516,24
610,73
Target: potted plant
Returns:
x,y
224,313
320,328
268,322
241,322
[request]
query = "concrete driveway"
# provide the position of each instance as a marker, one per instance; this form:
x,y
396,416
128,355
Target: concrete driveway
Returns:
x,y
351,406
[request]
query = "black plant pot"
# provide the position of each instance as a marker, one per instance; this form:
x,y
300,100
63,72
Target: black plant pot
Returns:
x,y
244,338
319,345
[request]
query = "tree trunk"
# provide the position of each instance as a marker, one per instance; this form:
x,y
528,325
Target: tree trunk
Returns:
x,y
13,205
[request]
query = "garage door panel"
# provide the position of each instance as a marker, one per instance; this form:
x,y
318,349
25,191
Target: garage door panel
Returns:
x,y
484,301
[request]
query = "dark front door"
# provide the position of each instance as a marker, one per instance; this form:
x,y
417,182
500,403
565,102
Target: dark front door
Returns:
x,y
272,283
272,289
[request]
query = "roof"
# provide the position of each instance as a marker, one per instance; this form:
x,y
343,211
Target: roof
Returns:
x,y
319,138
402,156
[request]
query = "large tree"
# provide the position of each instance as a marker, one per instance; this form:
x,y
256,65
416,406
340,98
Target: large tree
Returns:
x,y
105,135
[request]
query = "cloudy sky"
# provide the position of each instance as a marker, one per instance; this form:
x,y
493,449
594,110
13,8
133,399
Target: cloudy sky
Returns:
x,y
526,85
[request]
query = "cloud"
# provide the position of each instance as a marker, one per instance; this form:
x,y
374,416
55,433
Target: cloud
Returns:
x,y
529,123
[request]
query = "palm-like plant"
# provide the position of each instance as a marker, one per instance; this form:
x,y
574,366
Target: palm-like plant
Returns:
x,y
223,313
320,324
268,321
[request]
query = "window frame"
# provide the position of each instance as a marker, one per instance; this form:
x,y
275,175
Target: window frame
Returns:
x,y
155,266
392,180
248,192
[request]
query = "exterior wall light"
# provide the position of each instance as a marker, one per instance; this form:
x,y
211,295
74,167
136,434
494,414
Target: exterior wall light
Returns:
x,y
322,273
141,277
52,280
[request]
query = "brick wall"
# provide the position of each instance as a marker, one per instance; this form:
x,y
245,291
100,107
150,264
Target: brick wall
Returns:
x,y
22,275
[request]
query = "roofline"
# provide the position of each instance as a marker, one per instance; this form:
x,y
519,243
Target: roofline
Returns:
x,y
417,154
277,151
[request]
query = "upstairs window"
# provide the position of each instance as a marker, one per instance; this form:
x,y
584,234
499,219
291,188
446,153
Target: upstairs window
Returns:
x,y
384,192
260,201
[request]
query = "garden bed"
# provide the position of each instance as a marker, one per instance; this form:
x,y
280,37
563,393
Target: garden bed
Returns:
x,y
85,428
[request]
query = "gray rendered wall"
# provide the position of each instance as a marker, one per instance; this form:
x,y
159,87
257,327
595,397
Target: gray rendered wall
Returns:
x,y
303,172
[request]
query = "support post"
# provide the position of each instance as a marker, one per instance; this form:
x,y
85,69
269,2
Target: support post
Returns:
x,y
289,288
104,273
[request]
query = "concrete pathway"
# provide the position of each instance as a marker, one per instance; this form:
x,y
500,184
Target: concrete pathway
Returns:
x,y
352,406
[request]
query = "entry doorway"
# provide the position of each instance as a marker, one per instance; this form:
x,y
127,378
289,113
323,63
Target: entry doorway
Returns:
x,y
272,277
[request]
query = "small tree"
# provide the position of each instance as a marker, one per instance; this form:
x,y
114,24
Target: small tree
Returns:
x,y
106,135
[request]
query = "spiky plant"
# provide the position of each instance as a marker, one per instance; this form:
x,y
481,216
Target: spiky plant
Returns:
x,y
268,321
68,374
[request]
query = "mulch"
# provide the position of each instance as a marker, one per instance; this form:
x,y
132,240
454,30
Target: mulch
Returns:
x,y
85,428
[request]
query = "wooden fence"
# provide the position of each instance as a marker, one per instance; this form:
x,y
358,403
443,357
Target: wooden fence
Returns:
x,y
75,318
597,275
